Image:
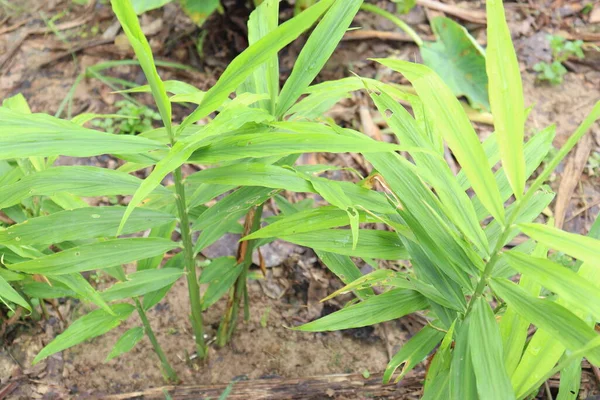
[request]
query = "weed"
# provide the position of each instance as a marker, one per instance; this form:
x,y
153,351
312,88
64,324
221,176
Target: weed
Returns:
x,y
134,119
562,49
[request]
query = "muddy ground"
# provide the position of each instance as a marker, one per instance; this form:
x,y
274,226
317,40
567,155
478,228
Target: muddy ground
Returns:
x,y
42,62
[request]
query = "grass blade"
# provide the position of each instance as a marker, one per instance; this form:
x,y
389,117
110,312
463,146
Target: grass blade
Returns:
x,y
506,95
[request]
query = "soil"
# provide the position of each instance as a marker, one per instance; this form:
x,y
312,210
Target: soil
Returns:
x,y
265,346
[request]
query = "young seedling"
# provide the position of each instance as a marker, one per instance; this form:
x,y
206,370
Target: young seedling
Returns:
x,y
562,49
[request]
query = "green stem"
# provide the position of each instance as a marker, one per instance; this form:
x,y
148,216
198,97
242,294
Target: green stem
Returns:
x,y
190,266
168,371
240,288
399,23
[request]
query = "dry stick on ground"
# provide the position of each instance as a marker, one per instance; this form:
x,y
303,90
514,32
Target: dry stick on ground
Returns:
x,y
347,386
361,34
475,16
570,179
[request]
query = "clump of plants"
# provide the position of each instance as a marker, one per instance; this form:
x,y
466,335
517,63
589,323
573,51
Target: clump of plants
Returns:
x,y
562,50
479,296
50,235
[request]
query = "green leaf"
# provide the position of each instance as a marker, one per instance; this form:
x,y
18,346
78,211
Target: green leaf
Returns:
x,y
77,180
87,327
384,307
566,283
265,79
450,118
317,50
570,381
583,248
506,95
42,290
220,275
566,327
462,374
486,351
131,26
459,60
345,269
280,143
153,298
371,243
7,293
79,224
77,283
141,6
244,64
95,256
253,174
306,221
30,135
142,282
126,342
200,10
413,352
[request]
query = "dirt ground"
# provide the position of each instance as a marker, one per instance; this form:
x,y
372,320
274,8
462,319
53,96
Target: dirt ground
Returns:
x,y
42,61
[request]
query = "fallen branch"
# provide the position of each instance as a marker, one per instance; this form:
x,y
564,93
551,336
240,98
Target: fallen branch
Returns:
x,y
475,16
348,386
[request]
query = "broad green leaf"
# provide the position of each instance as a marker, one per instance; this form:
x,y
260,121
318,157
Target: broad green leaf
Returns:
x,y
131,26
141,6
77,180
233,206
450,118
126,342
562,324
153,298
384,307
87,327
7,293
485,346
279,143
30,135
42,290
244,64
583,248
79,224
462,374
220,275
459,60
506,95
95,256
306,221
412,352
371,243
142,282
77,283
566,283
200,10
453,198
317,50
253,174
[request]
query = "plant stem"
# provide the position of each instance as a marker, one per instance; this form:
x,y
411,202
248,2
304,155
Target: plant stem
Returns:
x,y
240,289
168,371
190,266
